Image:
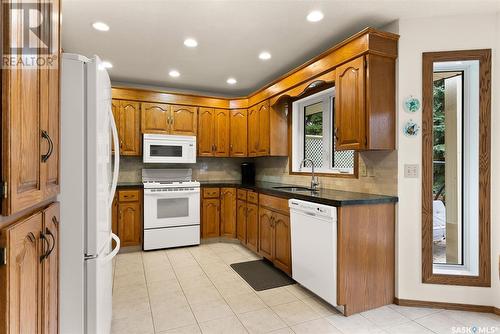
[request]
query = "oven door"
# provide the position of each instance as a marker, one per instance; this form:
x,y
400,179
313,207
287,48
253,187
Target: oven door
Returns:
x,y
169,149
171,207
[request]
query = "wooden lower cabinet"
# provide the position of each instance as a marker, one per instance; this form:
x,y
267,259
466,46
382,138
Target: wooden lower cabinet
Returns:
x,y
228,212
29,281
241,221
126,213
252,224
266,235
282,242
210,213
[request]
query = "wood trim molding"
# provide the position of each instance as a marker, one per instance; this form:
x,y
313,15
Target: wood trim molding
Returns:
x,y
484,277
447,306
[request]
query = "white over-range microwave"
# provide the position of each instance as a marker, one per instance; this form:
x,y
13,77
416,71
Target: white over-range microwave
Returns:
x,y
169,149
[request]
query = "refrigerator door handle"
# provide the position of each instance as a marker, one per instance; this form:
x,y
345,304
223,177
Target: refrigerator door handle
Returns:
x,y
115,251
116,166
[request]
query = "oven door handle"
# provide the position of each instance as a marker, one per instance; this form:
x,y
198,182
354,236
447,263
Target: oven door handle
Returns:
x,y
174,193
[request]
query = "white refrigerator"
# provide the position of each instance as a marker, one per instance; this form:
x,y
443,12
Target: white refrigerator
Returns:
x,y
89,174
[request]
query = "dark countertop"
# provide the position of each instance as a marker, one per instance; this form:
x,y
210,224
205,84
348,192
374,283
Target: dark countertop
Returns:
x,y
130,184
323,196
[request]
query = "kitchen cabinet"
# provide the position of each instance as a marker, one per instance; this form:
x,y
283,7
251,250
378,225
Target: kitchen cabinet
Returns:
x,y
127,220
238,133
155,118
184,120
29,270
247,218
267,130
213,132
128,124
241,221
252,224
210,212
253,131
365,104
274,231
228,213
30,119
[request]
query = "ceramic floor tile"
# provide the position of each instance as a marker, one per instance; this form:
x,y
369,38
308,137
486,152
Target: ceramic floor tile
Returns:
x,y
202,295
174,318
229,325
318,326
320,306
126,309
160,288
354,324
414,312
286,330
233,288
242,303
167,300
194,282
136,323
131,279
475,318
385,316
440,323
129,294
211,310
191,329
261,321
408,328
295,312
299,291
159,275
276,296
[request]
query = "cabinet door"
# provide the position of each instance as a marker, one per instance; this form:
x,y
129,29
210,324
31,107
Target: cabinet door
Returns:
x,y
252,226
155,118
266,234
241,221
221,133
50,272
253,131
264,129
129,223
184,120
282,245
228,213
130,134
205,135
210,218
20,278
238,133
350,116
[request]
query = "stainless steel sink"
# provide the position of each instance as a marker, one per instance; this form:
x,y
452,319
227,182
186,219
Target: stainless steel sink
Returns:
x,y
294,188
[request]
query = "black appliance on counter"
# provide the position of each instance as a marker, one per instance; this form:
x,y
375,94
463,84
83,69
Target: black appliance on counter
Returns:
x,y
248,173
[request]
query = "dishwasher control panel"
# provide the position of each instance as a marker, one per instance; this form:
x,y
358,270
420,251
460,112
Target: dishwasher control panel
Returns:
x,y
312,208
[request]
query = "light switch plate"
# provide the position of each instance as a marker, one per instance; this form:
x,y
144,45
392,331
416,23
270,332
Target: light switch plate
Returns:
x,y
411,171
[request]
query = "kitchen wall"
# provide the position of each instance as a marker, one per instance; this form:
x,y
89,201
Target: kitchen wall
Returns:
x,y
377,174
440,34
205,169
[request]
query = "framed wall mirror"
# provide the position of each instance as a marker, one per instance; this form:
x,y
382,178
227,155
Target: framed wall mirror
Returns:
x,y
456,117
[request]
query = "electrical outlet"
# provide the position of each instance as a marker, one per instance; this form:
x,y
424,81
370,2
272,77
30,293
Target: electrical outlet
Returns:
x,y
411,171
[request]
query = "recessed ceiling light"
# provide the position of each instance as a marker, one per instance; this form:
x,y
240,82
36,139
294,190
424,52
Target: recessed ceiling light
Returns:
x,y
174,73
101,26
190,42
231,81
264,55
106,64
315,16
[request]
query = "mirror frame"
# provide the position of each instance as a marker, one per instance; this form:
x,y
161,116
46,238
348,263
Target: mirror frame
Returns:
x,y
428,59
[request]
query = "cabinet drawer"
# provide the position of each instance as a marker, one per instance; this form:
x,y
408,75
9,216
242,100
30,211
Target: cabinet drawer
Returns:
x,y
129,195
274,203
253,197
242,194
211,192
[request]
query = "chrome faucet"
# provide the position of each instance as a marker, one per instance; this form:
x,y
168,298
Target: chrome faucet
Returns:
x,y
314,179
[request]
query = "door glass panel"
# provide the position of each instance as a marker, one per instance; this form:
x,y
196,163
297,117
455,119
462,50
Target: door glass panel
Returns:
x,y
172,207
165,151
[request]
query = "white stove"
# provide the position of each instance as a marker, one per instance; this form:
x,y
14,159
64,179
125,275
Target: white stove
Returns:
x,y
171,208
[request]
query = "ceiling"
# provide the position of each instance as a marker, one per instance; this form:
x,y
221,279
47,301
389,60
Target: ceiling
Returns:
x,y
145,40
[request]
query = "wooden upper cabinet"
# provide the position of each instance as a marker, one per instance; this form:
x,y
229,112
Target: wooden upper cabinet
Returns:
x,y
238,133
221,133
129,128
253,131
184,120
228,213
282,242
205,136
365,104
30,122
210,212
264,129
130,223
155,118
20,278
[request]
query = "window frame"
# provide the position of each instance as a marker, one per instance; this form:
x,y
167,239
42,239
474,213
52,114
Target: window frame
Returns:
x,y
297,141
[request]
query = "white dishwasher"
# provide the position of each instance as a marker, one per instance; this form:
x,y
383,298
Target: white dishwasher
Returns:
x,y
314,247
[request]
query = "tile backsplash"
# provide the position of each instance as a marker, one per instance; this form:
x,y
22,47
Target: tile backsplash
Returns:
x,y
378,172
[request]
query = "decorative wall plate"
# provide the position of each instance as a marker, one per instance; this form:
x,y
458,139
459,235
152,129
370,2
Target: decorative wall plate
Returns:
x,y
411,129
411,104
